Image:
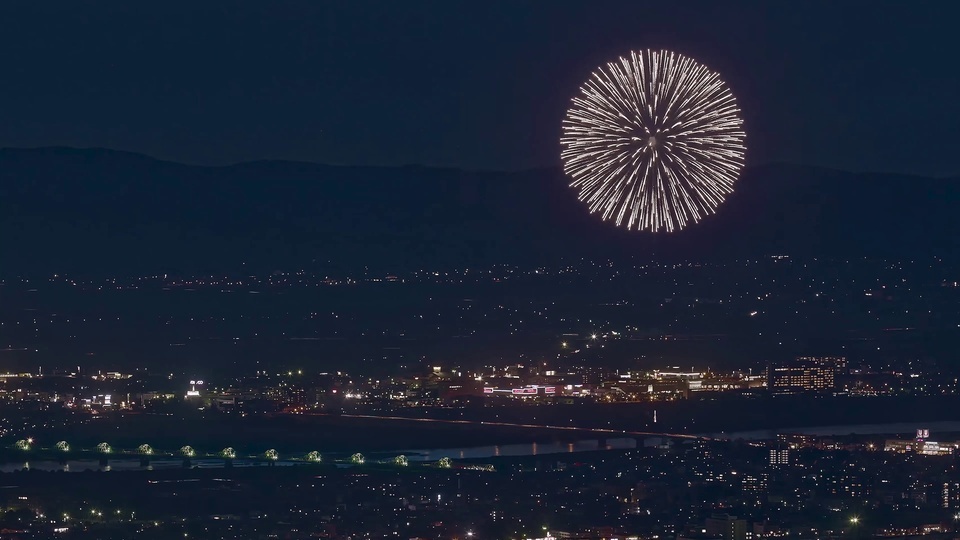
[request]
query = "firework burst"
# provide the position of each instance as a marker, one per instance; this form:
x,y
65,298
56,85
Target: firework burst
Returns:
x,y
653,142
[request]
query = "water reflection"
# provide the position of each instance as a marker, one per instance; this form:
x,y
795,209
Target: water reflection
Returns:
x,y
518,450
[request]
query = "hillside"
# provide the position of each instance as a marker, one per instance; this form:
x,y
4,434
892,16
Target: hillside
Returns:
x,y
67,210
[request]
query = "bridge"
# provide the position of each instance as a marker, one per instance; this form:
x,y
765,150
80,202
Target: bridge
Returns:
x,y
25,449
62,452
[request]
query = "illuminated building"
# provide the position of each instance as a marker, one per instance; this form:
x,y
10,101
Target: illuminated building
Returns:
x,y
720,384
522,391
950,495
686,375
933,448
797,440
921,445
805,374
726,527
926,448
595,375
779,457
193,392
670,387
755,483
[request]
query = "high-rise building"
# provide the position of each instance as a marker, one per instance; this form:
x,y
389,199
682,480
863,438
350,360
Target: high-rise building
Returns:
x,y
805,374
594,375
726,527
950,495
779,457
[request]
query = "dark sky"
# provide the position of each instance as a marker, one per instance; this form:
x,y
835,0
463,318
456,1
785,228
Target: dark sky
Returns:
x,y
860,85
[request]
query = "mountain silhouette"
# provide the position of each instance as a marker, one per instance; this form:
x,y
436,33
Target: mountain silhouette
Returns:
x,y
103,211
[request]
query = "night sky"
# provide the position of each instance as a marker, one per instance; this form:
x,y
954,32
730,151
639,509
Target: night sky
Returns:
x,y
858,85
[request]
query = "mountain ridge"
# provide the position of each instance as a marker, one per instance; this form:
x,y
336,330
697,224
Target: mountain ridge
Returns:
x,y
102,151
97,210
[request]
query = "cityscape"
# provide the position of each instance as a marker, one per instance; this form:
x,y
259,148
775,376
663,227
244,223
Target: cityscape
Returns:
x,y
479,270
589,429
638,477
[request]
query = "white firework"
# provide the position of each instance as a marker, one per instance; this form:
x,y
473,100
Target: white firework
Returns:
x,y
653,142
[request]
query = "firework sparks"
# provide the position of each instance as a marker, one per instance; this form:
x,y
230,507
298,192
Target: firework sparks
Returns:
x,y
653,142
